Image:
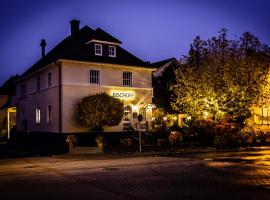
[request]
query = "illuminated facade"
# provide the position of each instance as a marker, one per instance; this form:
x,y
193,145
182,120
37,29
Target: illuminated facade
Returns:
x,y
85,63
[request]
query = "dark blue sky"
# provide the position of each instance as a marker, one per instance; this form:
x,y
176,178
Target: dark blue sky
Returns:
x,y
151,29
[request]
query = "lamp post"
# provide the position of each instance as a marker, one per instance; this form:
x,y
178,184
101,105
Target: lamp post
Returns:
x,y
140,118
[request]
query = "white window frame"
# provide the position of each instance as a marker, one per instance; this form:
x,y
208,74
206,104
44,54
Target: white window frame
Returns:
x,y
38,115
127,79
49,114
93,76
112,51
98,52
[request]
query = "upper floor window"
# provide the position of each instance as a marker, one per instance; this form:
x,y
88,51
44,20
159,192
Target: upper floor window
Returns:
x,y
23,90
49,114
127,79
112,51
49,79
38,115
94,76
98,49
38,82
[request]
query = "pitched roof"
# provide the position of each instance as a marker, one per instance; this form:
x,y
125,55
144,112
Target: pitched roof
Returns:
x,y
162,62
8,88
99,34
74,48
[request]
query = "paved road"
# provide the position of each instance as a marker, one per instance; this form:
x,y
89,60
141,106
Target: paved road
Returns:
x,y
138,178
255,155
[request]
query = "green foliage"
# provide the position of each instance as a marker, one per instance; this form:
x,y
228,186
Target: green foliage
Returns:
x,y
221,77
100,110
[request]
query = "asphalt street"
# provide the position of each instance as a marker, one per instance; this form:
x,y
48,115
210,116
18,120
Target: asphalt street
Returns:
x,y
137,177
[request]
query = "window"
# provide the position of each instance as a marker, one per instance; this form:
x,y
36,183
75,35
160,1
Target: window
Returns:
x,y
49,114
127,79
38,82
38,115
94,76
127,118
23,90
49,79
112,51
98,49
265,115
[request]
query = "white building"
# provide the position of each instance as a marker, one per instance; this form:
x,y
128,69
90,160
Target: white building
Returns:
x,y
85,63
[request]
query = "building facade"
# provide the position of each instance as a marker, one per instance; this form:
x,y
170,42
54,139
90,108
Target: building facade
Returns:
x,y
85,63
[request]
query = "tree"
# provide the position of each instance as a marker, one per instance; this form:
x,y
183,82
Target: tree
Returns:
x,y
100,110
221,77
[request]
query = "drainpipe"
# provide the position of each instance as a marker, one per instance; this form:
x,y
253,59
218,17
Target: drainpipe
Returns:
x,y
60,95
8,124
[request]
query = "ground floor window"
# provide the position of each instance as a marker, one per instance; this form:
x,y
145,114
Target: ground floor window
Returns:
x,y
38,115
265,115
127,118
49,114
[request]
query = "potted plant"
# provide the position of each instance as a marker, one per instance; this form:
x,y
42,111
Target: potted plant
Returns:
x,y
100,141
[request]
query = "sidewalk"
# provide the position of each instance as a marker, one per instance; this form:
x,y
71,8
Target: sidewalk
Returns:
x,y
164,152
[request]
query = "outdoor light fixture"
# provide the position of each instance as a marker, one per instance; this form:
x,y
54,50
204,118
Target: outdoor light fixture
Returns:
x,y
153,119
165,118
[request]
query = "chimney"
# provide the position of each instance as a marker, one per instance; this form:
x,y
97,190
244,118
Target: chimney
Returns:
x,y
75,26
43,45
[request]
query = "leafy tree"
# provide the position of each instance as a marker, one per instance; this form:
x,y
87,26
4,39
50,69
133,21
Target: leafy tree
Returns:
x,y
221,77
100,110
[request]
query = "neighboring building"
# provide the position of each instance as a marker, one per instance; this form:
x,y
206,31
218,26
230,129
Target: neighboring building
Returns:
x,y
7,106
163,76
85,63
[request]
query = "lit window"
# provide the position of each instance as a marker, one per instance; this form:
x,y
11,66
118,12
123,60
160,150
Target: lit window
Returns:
x,y
112,51
49,79
23,90
94,76
38,115
98,49
127,118
38,83
49,114
127,79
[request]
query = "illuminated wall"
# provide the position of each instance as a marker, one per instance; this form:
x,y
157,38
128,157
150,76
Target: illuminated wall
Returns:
x,y
76,87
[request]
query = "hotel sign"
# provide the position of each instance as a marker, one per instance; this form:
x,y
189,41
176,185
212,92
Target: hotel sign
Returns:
x,y
123,95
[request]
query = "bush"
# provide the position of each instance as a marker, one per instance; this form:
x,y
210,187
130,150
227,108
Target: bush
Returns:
x,y
175,137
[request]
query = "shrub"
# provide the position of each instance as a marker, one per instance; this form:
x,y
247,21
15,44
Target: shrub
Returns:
x,y
175,137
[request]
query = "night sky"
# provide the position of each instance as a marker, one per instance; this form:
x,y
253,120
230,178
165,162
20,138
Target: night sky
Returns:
x,y
153,30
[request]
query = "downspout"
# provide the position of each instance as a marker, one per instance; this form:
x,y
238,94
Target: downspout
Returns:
x,y
60,95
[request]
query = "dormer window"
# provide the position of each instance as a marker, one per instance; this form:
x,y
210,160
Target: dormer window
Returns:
x,y
98,49
112,51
